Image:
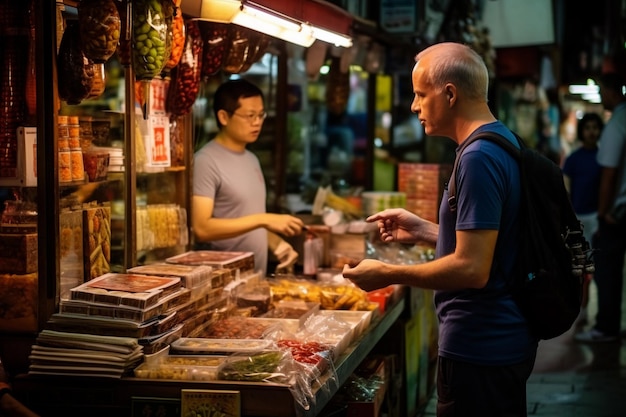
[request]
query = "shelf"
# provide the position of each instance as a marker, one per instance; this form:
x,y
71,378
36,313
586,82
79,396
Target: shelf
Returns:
x,y
103,397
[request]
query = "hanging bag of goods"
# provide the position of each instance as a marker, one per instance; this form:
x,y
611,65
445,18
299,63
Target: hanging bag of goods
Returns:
x,y
186,76
75,70
215,37
151,42
258,44
100,27
178,37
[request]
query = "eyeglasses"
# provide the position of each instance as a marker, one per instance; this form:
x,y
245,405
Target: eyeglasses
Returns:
x,y
252,117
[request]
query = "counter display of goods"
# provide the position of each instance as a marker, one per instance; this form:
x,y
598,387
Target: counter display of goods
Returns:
x,y
129,289
60,353
191,275
242,261
280,361
330,296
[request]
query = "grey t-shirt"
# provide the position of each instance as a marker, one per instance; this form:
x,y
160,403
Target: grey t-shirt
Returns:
x,y
235,182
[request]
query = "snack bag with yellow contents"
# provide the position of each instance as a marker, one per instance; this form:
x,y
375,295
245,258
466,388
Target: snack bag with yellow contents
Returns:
x,y
96,241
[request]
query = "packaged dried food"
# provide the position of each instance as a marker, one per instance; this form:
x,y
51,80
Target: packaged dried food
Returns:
x,y
77,167
99,82
237,54
12,103
100,27
243,261
75,70
191,368
195,346
65,165
31,65
96,241
96,165
178,37
123,50
100,130
215,36
258,44
191,275
151,41
135,283
186,76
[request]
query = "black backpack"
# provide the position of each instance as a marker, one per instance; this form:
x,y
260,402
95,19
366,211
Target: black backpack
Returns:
x,y
553,254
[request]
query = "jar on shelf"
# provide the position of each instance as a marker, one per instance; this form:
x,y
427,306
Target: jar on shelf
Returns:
x,y
64,132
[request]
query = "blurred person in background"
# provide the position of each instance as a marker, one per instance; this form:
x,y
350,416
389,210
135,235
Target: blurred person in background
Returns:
x,y
581,175
610,240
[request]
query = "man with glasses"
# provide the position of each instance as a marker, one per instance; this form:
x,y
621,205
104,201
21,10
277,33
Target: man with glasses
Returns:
x,y
229,194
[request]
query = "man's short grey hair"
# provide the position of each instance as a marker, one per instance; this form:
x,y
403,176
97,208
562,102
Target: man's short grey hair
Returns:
x,y
457,64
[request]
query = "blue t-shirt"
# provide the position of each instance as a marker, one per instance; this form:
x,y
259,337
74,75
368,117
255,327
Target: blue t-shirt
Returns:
x,y
584,173
484,326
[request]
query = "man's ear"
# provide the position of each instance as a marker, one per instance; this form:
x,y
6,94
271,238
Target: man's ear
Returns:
x,y
450,93
222,116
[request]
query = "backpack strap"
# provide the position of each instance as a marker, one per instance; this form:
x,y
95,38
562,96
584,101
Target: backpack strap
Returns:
x,y
489,135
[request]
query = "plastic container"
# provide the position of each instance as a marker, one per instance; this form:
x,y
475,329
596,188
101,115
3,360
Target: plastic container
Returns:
x,y
196,346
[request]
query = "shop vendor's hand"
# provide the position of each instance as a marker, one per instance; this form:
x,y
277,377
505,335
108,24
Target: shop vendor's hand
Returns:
x,y
283,224
286,255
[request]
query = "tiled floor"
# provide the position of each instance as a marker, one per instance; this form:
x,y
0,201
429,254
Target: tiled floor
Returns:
x,y
571,379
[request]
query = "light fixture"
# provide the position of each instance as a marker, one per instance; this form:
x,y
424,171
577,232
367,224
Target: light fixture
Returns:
x,y
332,37
592,97
255,18
583,89
262,19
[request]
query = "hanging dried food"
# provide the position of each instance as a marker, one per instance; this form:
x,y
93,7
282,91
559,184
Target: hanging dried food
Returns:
x,y
151,44
100,27
178,37
239,49
338,88
74,68
98,85
185,83
215,37
31,65
124,8
12,103
177,143
258,45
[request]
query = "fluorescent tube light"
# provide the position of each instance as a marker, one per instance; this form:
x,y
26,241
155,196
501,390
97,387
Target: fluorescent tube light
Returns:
x,y
583,89
274,25
332,37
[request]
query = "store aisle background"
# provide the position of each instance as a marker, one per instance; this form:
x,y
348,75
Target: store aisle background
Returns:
x,y
572,379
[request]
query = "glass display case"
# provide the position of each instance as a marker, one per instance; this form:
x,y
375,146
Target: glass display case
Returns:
x,y
108,187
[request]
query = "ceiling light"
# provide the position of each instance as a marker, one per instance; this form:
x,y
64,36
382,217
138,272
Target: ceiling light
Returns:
x,y
332,37
583,89
262,19
273,25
